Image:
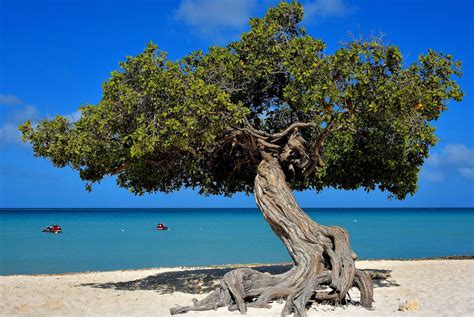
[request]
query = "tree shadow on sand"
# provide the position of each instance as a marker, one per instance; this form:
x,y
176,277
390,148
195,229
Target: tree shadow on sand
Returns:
x,y
201,281
381,278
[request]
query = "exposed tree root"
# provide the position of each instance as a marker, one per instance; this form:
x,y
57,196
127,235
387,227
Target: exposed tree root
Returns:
x,y
324,265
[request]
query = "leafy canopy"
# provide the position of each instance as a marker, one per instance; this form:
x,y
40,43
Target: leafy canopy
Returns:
x,y
162,125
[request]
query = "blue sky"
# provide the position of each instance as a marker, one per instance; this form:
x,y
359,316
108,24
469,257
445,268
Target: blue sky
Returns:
x,y
54,55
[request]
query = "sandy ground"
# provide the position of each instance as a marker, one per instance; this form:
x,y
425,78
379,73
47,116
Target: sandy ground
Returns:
x,y
442,288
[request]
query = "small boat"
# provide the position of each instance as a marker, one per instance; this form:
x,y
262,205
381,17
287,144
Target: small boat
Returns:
x,y
53,229
161,226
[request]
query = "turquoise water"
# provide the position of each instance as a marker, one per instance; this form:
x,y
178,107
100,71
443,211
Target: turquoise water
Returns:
x,y
126,239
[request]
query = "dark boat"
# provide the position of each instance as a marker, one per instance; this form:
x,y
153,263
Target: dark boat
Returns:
x,y
161,226
53,229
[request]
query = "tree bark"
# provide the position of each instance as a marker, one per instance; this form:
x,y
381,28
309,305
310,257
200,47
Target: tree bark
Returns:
x,y
324,265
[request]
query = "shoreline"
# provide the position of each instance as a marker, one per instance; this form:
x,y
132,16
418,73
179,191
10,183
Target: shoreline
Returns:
x,y
235,265
441,287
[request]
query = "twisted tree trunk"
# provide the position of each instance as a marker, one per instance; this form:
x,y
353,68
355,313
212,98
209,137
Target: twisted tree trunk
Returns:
x,y
324,265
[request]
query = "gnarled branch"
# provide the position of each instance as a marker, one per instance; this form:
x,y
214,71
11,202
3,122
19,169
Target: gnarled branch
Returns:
x,y
274,137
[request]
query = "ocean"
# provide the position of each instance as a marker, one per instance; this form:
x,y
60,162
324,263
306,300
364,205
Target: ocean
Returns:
x,y
113,239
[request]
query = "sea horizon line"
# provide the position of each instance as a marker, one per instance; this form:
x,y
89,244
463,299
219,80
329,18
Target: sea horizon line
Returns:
x,y
221,208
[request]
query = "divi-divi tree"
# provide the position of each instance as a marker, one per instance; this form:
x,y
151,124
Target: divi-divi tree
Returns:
x,y
270,114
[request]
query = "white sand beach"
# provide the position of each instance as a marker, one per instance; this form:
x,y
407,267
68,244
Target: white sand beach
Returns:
x,y
440,287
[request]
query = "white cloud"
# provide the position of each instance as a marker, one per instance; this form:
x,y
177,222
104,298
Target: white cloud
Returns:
x,y
208,17
28,112
453,155
211,18
73,116
327,8
458,155
432,176
9,133
467,172
9,100
434,160
457,158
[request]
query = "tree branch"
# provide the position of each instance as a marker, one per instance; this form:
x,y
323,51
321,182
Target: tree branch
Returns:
x,y
119,169
270,146
274,137
293,126
323,135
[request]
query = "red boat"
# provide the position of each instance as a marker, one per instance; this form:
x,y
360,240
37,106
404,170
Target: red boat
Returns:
x,y
161,226
53,229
